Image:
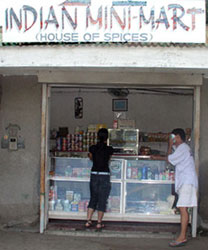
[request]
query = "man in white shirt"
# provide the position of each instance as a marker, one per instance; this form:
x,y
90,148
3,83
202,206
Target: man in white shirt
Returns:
x,y
186,181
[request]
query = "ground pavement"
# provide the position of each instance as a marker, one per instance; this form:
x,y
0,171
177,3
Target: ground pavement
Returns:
x,y
13,239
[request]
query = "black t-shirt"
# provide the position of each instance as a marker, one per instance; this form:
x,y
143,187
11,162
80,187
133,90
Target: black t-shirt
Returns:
x,y
101,154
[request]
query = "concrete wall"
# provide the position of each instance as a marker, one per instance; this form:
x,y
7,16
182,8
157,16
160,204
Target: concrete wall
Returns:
x,y
203,170
152,113
20,103
20,170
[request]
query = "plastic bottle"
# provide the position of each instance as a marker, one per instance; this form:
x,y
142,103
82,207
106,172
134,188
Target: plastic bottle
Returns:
x,y
139,173
149,173
129,171
156,175
144,173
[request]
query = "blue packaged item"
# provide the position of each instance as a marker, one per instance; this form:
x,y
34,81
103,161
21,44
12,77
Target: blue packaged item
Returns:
x,y
144,173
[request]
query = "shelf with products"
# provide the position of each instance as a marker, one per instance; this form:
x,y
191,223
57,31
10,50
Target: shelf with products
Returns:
x,y
151,181
76,142
148,199
148,184
69,187
149,170
124,140
137,195
153,137
73,197
74,168
162,143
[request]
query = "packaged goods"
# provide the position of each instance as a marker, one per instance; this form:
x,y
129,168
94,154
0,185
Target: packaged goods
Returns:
x,y
139,174
144,173
115,124
59,206
77,197
85,172
64,144
156,175
129,173
172,175
70,195
52,205
58,143
74,206
86,205
164,175
75,172
81,206
66,205
53,193
149,173
167,174
68,171
134,173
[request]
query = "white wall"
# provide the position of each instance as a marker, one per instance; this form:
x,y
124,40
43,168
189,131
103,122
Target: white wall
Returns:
x,y
152,113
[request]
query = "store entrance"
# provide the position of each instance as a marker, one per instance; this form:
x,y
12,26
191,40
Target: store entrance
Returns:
x,y
151,111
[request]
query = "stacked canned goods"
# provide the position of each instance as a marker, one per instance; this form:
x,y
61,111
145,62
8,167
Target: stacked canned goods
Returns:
x,y
76,142
88,140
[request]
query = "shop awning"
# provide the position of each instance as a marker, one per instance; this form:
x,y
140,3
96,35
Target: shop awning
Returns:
x,y
107,64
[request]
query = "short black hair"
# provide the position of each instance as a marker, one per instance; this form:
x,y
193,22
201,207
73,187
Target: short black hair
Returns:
x,y
102,135
180,132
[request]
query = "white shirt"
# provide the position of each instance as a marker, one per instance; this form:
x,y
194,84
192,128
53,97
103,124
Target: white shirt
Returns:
x,y
185,172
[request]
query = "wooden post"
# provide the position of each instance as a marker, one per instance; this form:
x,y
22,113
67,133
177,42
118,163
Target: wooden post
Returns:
x,y
43,155
196,148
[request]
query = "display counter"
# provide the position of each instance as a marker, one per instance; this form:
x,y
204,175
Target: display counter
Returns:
x,y
141,189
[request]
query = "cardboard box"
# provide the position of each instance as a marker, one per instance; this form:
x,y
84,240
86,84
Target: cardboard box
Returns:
x,y
124,123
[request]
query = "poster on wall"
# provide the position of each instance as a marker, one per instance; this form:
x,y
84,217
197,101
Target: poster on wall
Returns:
x,y
74,21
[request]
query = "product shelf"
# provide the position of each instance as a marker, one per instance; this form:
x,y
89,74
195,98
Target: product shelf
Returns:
x,y
131,198
150,181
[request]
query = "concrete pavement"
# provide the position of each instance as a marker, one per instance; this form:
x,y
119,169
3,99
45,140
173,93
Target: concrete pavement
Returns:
x,y
24,240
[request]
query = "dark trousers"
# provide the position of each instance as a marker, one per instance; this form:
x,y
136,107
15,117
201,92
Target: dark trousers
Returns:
x,y
100,187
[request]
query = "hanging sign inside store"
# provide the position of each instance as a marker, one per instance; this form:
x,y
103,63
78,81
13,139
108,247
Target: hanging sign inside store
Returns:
x,y
74,21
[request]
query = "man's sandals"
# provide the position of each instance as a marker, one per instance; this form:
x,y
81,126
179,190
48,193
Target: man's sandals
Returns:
x,y
178,243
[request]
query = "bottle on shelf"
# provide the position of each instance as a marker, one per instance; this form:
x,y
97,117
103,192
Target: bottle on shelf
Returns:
x,y
144,173
149,173
129,171
139,173
156,174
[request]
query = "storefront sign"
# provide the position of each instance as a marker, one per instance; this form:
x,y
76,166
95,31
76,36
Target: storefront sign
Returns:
x,y
73,21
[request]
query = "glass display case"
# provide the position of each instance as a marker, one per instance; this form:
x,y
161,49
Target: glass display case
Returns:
x,y
149,186
124,141
141,189
69,192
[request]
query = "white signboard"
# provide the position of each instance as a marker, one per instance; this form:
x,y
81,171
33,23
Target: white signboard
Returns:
x,y
73,21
